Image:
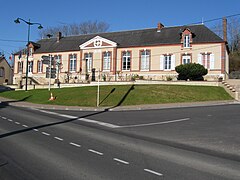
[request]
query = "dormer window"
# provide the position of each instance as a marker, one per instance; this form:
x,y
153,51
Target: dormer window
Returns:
x,y
30,51
186,42
187,38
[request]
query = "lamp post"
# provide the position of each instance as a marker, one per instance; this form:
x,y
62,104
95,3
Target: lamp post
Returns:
x,y
29,23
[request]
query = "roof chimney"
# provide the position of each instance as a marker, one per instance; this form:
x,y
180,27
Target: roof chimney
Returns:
x,y
59,36
224,20
159,27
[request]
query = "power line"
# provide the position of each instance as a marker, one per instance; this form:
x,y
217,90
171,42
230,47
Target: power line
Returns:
x,y
11,40
216,19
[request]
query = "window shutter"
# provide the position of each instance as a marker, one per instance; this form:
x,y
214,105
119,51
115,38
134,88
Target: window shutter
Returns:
x,y
212,59
162,62
173,62
200,59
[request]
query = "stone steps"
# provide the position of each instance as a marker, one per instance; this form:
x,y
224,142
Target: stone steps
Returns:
x,y
232,88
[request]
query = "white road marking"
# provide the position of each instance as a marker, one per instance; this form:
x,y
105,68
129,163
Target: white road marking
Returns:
x,y
58,138
4,118
36,130
74,144
157,123
45,133
96,152
24,125
121,161
67,116
99,123
17,122
153,172
10,120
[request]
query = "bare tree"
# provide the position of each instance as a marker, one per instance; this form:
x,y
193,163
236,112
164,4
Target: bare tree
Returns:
x,y
233,32
87,27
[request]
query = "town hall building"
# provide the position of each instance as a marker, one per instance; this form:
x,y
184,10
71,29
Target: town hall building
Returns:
x,y
150,54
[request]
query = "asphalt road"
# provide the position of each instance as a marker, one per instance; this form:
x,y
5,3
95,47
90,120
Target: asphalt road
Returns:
x,y
181,143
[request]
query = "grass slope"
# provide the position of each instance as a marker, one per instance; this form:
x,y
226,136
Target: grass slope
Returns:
x,y
121,95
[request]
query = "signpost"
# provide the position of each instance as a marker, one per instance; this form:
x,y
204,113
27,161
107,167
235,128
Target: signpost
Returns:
x,y
50,72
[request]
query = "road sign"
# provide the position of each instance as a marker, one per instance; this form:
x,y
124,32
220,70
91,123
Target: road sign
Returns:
x,y
46,59
53,72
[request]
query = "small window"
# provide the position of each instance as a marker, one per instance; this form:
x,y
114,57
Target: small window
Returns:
x,y
167,62
40,66
30,51
2,72
126,61
186,59
186,43
145,59
106,60
88,58
20,67
73,62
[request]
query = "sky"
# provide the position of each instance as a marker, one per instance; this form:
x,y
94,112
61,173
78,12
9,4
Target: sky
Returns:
x,y
120,15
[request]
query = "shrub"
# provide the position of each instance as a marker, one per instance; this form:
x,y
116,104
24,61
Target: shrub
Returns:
x,y
191,71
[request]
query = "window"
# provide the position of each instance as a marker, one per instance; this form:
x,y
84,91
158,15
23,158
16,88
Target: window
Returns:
x,y
167,62
20,67
186,59
30,66
30,51
73,62
106,60
186,43
88,58
126,60
57,61
39,66
2,72
145,57
207,60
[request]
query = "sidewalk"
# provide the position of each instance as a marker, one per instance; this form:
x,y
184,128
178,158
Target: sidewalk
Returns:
x,y
11,102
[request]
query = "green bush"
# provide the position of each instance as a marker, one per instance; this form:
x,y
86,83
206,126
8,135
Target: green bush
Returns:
x,y
191,71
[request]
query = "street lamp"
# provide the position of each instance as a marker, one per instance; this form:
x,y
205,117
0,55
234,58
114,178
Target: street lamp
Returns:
x,y
29,23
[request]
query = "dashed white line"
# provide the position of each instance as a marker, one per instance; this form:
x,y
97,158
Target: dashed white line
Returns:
x,y
153,172
44,133
24,125
10,120
96,152
121,161
4,118
58,138
36,130
74,144
17,122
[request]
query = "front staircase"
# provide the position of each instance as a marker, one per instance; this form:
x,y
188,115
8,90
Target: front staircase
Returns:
x,y
232,86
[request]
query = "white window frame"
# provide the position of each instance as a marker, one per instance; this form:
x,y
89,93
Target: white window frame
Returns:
x,y
72,63
186,43
40,67
20,67
126,61
167,62
145,60
30,51
88,58
30,66
186,59
106,61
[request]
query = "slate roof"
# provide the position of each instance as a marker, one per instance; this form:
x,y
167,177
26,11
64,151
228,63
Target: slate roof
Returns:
x,y
144,37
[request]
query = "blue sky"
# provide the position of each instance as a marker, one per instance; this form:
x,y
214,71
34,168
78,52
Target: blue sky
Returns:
x,y
121,15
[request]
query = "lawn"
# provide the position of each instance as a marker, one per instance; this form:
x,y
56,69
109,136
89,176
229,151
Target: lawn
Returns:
x,y
121,95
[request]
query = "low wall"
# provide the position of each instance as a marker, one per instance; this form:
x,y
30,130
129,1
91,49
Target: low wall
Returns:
x,y
102,83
